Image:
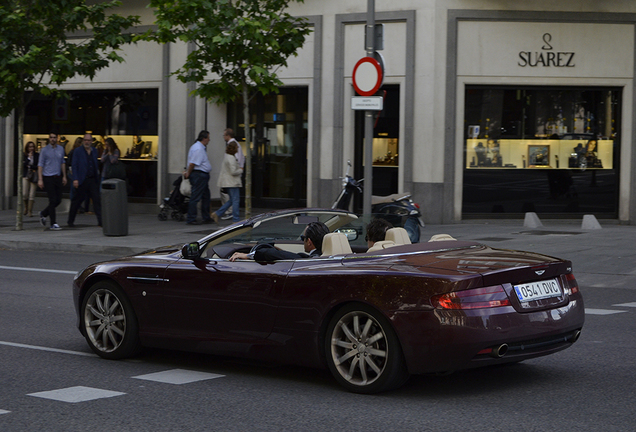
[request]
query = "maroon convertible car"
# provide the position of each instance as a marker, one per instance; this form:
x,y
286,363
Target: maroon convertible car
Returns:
x,y
373,318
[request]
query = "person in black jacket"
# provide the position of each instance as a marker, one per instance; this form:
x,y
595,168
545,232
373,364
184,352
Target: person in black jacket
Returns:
x,y
312,238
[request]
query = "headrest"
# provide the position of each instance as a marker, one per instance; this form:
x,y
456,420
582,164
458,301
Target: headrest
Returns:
x,y
379,245
442,237
335,244
399,236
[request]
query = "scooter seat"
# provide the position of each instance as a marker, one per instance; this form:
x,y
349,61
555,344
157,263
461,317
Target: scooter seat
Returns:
x,y
375,199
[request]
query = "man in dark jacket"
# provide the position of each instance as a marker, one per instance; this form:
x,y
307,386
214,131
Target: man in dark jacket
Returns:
x,y
312,238
85,179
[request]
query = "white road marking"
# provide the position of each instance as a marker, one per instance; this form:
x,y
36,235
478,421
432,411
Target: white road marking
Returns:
x,y
632,304
76,394
590,311
56,350
38,270
178,376
4,412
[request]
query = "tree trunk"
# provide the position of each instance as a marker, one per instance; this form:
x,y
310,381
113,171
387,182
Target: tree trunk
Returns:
x,y
20,112
248,153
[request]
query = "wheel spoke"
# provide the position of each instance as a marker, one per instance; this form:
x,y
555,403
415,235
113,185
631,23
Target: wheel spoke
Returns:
x,y
356,326
346,357
117,330
95,312
376,352
348,333
112,338
352,368
112,308
367,326
376,337
342,344
363,370
373,365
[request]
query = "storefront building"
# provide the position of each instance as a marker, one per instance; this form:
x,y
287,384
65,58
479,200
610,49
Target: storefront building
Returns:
x,y
487,113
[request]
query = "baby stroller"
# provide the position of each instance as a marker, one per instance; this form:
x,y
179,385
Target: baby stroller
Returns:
x,y
176,204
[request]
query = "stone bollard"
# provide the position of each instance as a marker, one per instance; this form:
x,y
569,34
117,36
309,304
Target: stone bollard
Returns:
x,y
590,223
532,221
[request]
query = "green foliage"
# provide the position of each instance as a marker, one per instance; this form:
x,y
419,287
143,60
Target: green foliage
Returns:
x,y
39,49
237,43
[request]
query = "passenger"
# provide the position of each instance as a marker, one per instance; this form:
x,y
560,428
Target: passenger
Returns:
x,y
312,240
376,232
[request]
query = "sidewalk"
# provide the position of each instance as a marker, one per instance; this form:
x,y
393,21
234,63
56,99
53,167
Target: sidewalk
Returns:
x,y
600,257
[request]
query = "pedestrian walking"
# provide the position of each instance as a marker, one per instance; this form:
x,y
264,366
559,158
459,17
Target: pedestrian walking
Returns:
x,y
51,178
230,180
198,173
229,137
85,179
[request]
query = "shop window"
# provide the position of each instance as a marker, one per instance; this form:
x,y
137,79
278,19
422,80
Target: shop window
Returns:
x,y
549,150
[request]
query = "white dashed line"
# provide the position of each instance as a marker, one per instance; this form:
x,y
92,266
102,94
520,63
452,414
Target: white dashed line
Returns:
x,y
40,348
632,304
38,270
76,394
178,376
4,412
589,311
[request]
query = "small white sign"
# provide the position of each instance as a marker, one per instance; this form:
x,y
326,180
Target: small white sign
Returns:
x,y
370,103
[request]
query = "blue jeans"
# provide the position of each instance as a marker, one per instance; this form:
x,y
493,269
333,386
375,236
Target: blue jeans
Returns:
x,y
235,195
200,192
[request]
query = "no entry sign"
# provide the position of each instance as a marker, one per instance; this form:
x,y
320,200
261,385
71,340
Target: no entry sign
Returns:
x,y
367,76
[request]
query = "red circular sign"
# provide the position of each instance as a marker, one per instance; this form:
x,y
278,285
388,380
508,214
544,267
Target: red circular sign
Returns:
x,y
367,76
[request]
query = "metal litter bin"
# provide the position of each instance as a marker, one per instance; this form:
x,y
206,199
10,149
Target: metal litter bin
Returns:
x,y
114,207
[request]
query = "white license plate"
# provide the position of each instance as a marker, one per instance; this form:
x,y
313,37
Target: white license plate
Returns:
x,y
538,290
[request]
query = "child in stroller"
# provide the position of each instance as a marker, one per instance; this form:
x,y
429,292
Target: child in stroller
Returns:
x,y
176,204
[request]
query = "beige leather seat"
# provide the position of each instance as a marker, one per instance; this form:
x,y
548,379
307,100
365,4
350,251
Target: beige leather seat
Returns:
x,y
442,237
335,244
399,236
379,245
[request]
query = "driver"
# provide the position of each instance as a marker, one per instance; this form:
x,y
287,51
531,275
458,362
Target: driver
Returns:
x,y
312,240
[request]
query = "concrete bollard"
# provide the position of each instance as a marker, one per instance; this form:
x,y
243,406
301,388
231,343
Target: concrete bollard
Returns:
x,y
590,223
532,221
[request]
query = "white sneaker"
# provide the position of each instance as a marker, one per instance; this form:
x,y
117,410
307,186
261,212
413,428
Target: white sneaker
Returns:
x,y
55,227
226,217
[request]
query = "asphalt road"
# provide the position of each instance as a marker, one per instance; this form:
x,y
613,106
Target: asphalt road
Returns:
x,y
47,372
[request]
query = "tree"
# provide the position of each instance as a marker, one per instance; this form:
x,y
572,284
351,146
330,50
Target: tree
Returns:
x,y
238,45
41,47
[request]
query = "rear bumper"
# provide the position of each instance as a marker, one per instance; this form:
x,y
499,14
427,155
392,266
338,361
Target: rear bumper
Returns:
x,y
448,340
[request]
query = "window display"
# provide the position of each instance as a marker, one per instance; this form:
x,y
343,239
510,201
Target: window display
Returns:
x,y
544,149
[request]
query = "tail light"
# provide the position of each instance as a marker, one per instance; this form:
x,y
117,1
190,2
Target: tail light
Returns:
x,y
479,298
571,286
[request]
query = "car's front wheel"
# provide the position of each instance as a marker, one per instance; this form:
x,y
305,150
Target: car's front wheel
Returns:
x,y
109,322
363,352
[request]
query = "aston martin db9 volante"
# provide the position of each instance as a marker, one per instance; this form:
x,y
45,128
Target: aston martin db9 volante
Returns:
x,y
371,318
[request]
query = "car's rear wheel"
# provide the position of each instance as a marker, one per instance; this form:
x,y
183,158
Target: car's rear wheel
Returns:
x,y
363,353
109,322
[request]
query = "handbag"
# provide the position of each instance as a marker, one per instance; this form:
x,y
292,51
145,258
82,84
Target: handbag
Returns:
x,y
116,170
32,176
185,188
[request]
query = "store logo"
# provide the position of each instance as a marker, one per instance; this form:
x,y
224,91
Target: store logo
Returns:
x,y
547,57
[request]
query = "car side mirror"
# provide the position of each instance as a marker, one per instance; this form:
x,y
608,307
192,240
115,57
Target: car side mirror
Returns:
x,y
190,251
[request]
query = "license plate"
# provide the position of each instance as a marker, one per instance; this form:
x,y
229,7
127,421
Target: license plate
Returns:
x,y
538,290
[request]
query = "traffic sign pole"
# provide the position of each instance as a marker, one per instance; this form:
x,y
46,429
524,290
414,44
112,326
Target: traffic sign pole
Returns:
x,y
368,121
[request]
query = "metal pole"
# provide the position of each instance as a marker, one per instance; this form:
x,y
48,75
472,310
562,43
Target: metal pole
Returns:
x,y
368,119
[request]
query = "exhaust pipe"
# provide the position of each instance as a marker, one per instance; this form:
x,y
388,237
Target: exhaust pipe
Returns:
x,y
575,336
500,351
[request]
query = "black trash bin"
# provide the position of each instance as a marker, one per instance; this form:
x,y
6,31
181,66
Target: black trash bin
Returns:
x,y
114,207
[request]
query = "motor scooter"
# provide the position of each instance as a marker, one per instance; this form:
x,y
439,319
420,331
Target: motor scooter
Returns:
x,y
398,209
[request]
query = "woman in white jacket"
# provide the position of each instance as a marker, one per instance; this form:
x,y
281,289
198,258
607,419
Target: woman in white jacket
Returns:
x,y
230,180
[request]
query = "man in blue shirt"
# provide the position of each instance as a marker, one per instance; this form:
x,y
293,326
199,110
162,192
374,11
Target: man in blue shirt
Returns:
x,y
199,174
51,178
85,179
